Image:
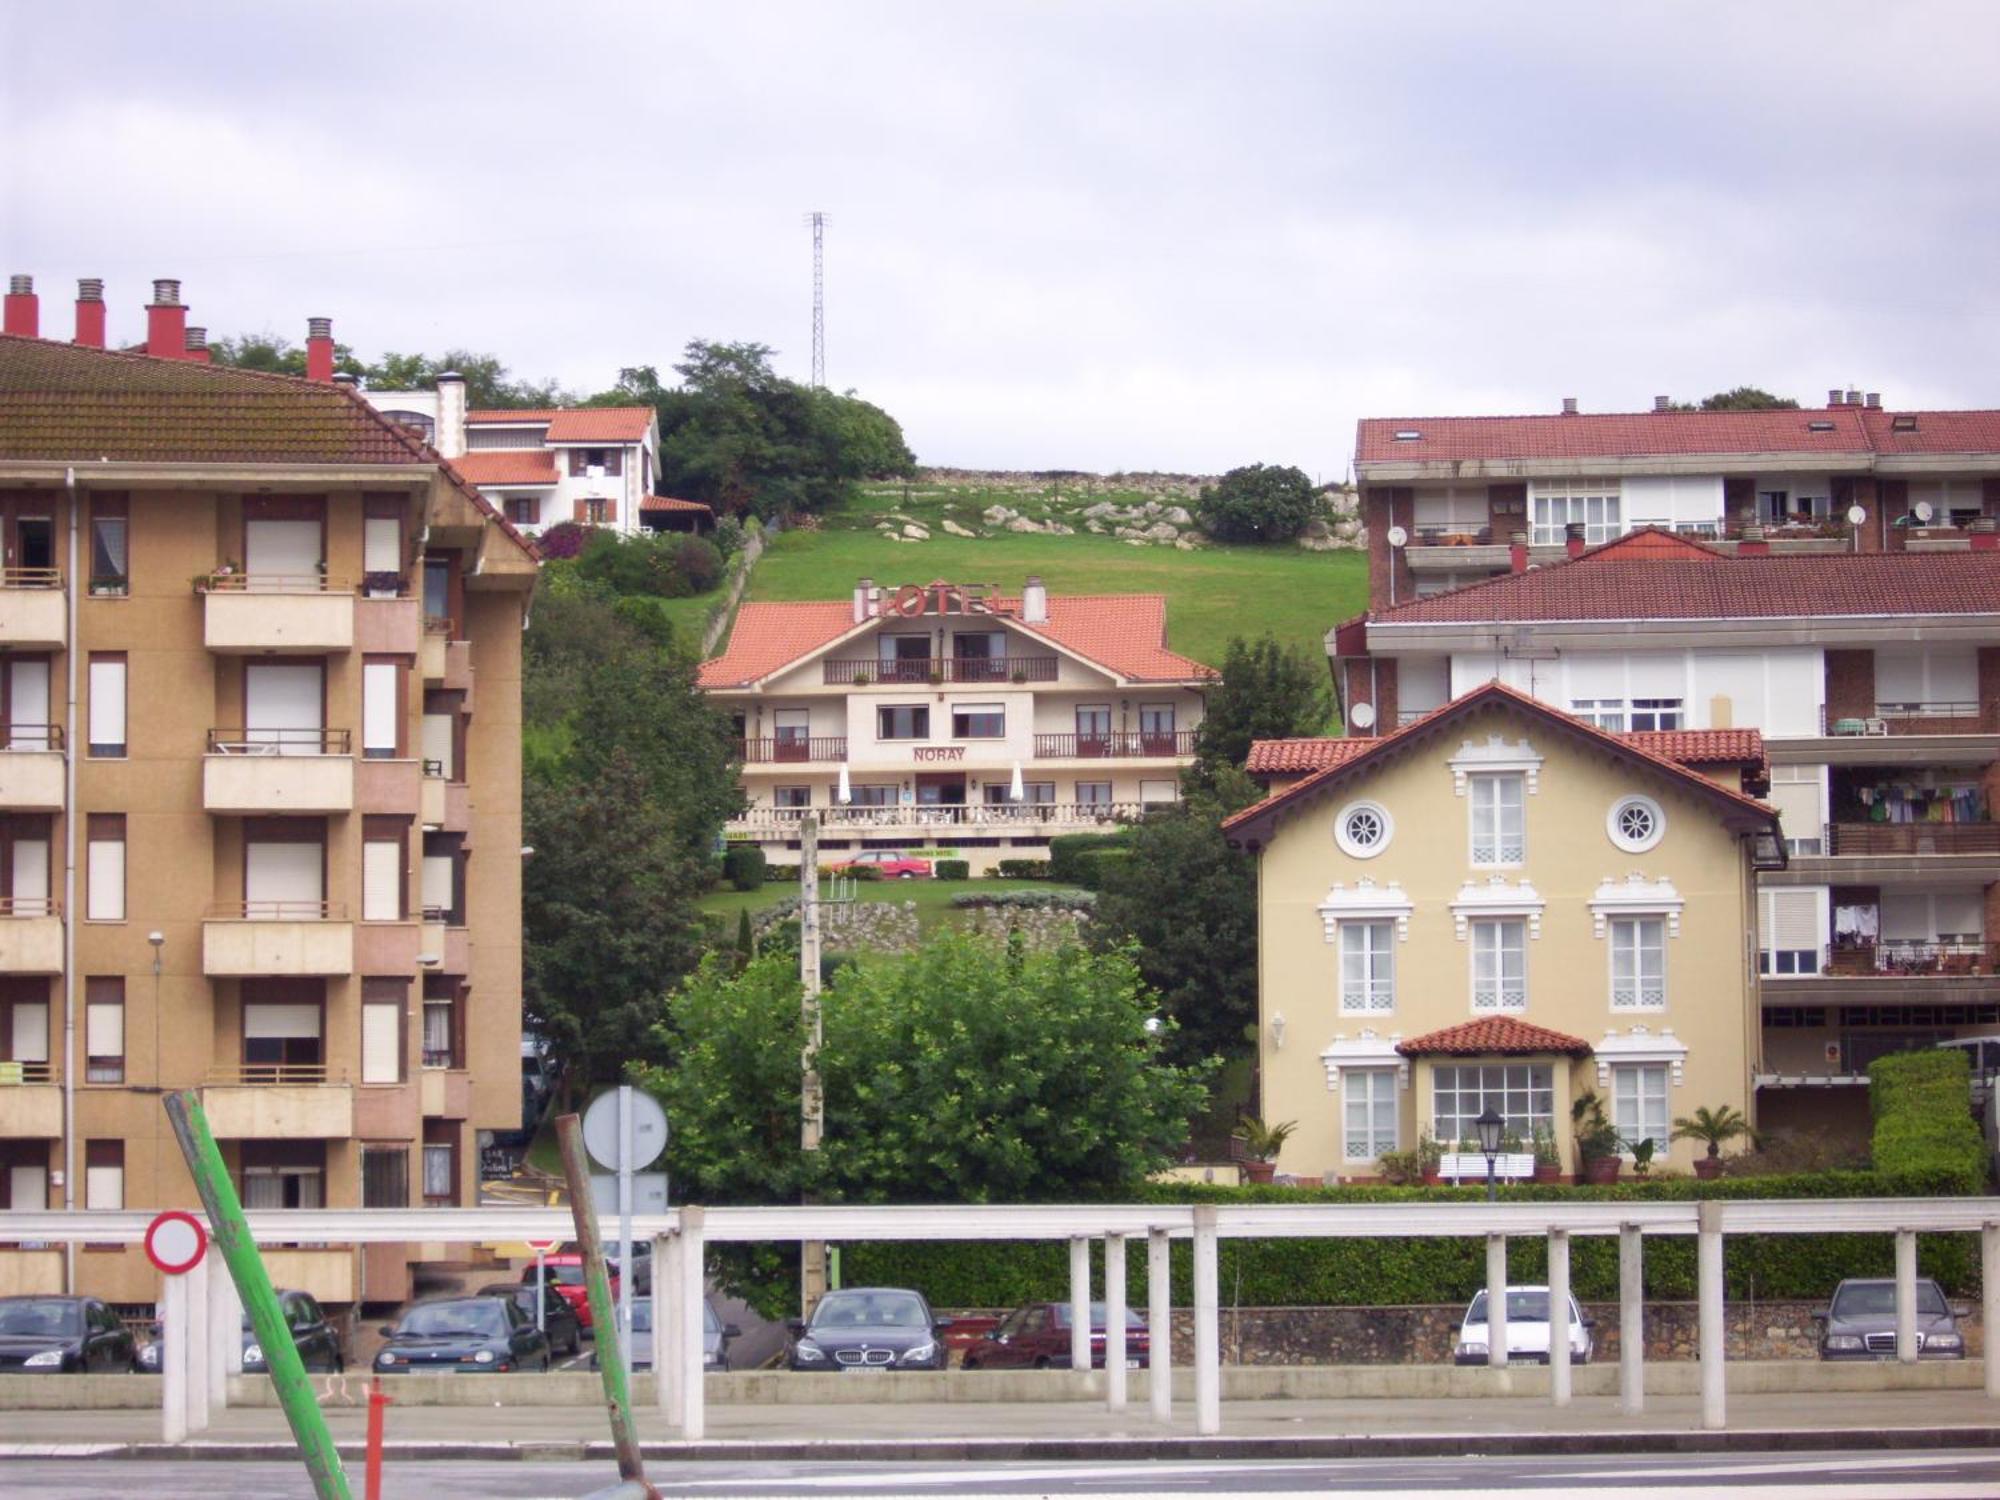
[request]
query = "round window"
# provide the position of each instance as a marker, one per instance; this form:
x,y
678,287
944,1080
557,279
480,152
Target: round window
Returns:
x,y
1363,829
1636,824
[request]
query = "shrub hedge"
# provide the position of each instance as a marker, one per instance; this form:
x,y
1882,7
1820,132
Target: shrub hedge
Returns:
x,y
1022,869
1066,849
1095,866
743,864
1390,1272
1923,1120
953,869
1028,900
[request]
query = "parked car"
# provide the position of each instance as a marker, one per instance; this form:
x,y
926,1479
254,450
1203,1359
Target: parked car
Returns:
x,y
715,1337
317,1341
869,1328
893,864
1527,1329
63,1336
559,1320
565,1269
470,1334
1036,1337
1860,1322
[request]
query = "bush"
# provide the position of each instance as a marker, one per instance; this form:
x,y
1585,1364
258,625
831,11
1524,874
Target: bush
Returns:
x,y
1923,1118
728,537
1257,504
744,865
564,539
1095,866
699,564
953,869
1066,848
1083,901
778,874
1022,869
862,872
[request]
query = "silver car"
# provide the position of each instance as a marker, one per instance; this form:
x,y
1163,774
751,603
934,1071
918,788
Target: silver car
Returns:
x,y
1860,1322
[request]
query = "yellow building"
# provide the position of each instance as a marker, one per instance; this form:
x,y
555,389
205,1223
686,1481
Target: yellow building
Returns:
x,y
1500,905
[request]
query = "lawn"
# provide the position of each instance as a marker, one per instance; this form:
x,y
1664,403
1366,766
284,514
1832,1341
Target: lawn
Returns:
x,y
932,897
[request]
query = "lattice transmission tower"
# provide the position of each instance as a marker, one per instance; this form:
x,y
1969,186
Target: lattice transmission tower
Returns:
x,y
818,222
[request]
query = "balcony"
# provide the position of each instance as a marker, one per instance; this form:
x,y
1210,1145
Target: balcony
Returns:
x,y
329,1275
30,1102
1849,840
1897,719
34,609
1116,745
31,1273
272,613
1000,819
446,1093
278,771
431,657
1912,960
278,1101
31,935
253,939
861,671
792,750
31,768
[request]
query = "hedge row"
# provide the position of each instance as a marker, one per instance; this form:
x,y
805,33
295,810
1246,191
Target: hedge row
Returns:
x,y
1923,1123
1078,858
1390,1272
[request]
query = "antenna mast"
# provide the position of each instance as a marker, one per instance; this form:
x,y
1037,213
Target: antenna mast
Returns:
x,y
818,222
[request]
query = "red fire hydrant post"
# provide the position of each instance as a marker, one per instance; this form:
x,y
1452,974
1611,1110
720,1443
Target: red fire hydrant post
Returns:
x,y
376,1402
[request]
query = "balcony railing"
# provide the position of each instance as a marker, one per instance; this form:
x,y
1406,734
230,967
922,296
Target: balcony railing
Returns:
x,y
31,578
26,1072
265,1075
1456,536
277,911
786,748
861,671
30,906
280,742
999,817
1932,717
31,737
1850,839
271,583
1113,744
1871,960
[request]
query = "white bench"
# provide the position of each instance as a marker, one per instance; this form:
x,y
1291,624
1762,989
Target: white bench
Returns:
x,y
1508,1166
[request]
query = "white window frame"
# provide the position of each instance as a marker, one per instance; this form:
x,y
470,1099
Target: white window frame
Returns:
x,y
1494,1092
108,722
1490,949
104,896
1614,823
381,1041
1662,715
1553,505
1639,1075
104,1188
1371,940
1361,812
1490,849
1628,949
1369,1091
1607,714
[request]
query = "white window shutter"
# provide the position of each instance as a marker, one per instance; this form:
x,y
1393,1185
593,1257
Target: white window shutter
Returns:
x,y
379,709
381,881
107,703
106,899
104,1030
381,1043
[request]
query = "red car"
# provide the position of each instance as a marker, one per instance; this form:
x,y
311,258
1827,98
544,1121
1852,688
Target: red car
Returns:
x,y
893,864
1036,1337
565,1270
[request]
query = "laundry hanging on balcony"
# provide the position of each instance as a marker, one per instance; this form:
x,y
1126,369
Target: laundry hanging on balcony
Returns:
x,y
1920,804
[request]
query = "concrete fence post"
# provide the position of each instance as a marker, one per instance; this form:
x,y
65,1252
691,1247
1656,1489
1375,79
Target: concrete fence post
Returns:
x,y
1496,1301
663,1349
1160,1325
1114,1321
1207,1326
199,1343
1559,1381
1631,1321
1713,1355
1079,1303
693,1337
1906,1296
225,1334
667,1327
1989,1298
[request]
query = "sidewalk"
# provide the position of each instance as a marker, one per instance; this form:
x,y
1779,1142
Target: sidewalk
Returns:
x,y
1251,1429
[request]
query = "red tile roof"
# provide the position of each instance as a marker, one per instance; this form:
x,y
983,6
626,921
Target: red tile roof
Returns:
x,y
601,424
656,503
1506,1036
1935,431
1628,579
1123,632
1610,435
503,466
508,415
1688,747
1268,757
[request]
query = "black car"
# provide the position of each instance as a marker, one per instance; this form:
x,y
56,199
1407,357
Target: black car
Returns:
x,y
558,1321
470,1334
317,1341
869,1328
63,1336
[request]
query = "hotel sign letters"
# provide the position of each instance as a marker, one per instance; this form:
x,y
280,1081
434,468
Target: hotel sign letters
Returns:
x,y
941,598
938,752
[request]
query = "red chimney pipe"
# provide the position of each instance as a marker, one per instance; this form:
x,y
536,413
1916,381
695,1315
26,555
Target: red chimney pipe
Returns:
x,y
319,350
166,322
1517,556
23,314
197,346
1573,546
90,312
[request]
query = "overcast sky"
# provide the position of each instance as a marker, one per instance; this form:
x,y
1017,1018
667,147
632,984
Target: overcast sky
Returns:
x,y
1102,236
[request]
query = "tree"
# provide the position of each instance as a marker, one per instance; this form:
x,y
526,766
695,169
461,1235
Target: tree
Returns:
x,y
488,383
276,355
1267,691
1257,503
1186,904
1742,398
964,1072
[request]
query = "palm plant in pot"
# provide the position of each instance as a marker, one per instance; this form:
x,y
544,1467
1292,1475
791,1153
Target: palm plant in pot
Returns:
x,y
1717,1127
1261,1145
1597,1140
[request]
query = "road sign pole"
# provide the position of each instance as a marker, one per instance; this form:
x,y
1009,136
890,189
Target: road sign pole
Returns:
x,y
611,1361
173,1359
625,1277
541,1296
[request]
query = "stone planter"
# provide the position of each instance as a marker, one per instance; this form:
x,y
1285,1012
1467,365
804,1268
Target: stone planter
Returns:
x,y
1259,1171
1548,1171
1708,1168
1602,1171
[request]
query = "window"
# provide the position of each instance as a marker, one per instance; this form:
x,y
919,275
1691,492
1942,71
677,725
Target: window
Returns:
x,y
1367,966
792,796
1093,793
597,510
104,900
284,869
24,864
1657,714
110,566
107,703
1521,1093
385,843
284,1174
1362,830
385,1176
104,1175
1639,1103
1636,824
1799,794
874,794
24,703
1790,930
524,510
1638,963
1368,1107
1589,503
441,1023
978,721
444,878
281,1031
24,1027
381,708
903,721
1159,793
1093,729
1497,818
104,1030
791,734
1156,729
440,1163
583,460
284,707
1499,963
382,546
382,1003
1605,713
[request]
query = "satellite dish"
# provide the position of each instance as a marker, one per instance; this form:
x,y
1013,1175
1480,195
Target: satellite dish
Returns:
x,y
1362,716
1856,515
1922,510
1398,536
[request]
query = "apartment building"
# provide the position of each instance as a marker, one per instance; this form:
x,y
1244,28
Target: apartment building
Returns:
x,y
954,718
259,798
1501,905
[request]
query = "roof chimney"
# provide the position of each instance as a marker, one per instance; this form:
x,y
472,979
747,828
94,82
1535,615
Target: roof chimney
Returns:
x,y
166,322
197,346
319,350
1034,602
23,313
90,312
1853,397
450,437
1874,399
1663,403
1835,398
864,600
1569,406
343,377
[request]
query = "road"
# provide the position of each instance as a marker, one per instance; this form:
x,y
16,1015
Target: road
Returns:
x,y
1944,1475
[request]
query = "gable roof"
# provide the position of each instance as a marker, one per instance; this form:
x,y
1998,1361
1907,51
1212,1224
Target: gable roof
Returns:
x,y
1688,747
1506,1036
1125,633
1278,757
656,503
507,466
600,424
1256,823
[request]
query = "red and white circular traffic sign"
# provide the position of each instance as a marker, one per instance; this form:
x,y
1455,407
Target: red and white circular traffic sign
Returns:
x,y
541,1247
176,1242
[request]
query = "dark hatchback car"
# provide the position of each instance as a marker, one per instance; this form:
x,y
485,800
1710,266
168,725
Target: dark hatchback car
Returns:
x,y
558,1321
715,1337
63,1336
466,1334
869,1328
1860,1322
317,1340
1036,1337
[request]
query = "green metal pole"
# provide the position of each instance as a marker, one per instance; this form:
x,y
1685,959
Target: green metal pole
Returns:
x,y
230,1233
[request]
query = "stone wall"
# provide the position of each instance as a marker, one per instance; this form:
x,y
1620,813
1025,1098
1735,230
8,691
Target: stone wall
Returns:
x,y
1039,928
878,926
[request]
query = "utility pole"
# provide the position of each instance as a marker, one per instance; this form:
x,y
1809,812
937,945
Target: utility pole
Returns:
x,y
812,1103
818,222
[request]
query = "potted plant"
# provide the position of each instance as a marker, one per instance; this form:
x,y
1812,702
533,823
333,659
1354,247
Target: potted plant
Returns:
x,y
1596,1140
1642,1155
1717,1127
1261,1145
1548,1162
1020,676
860,679
1430,1157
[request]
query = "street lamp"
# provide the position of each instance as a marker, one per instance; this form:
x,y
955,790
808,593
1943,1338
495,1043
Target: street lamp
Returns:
x,y
1489,1126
